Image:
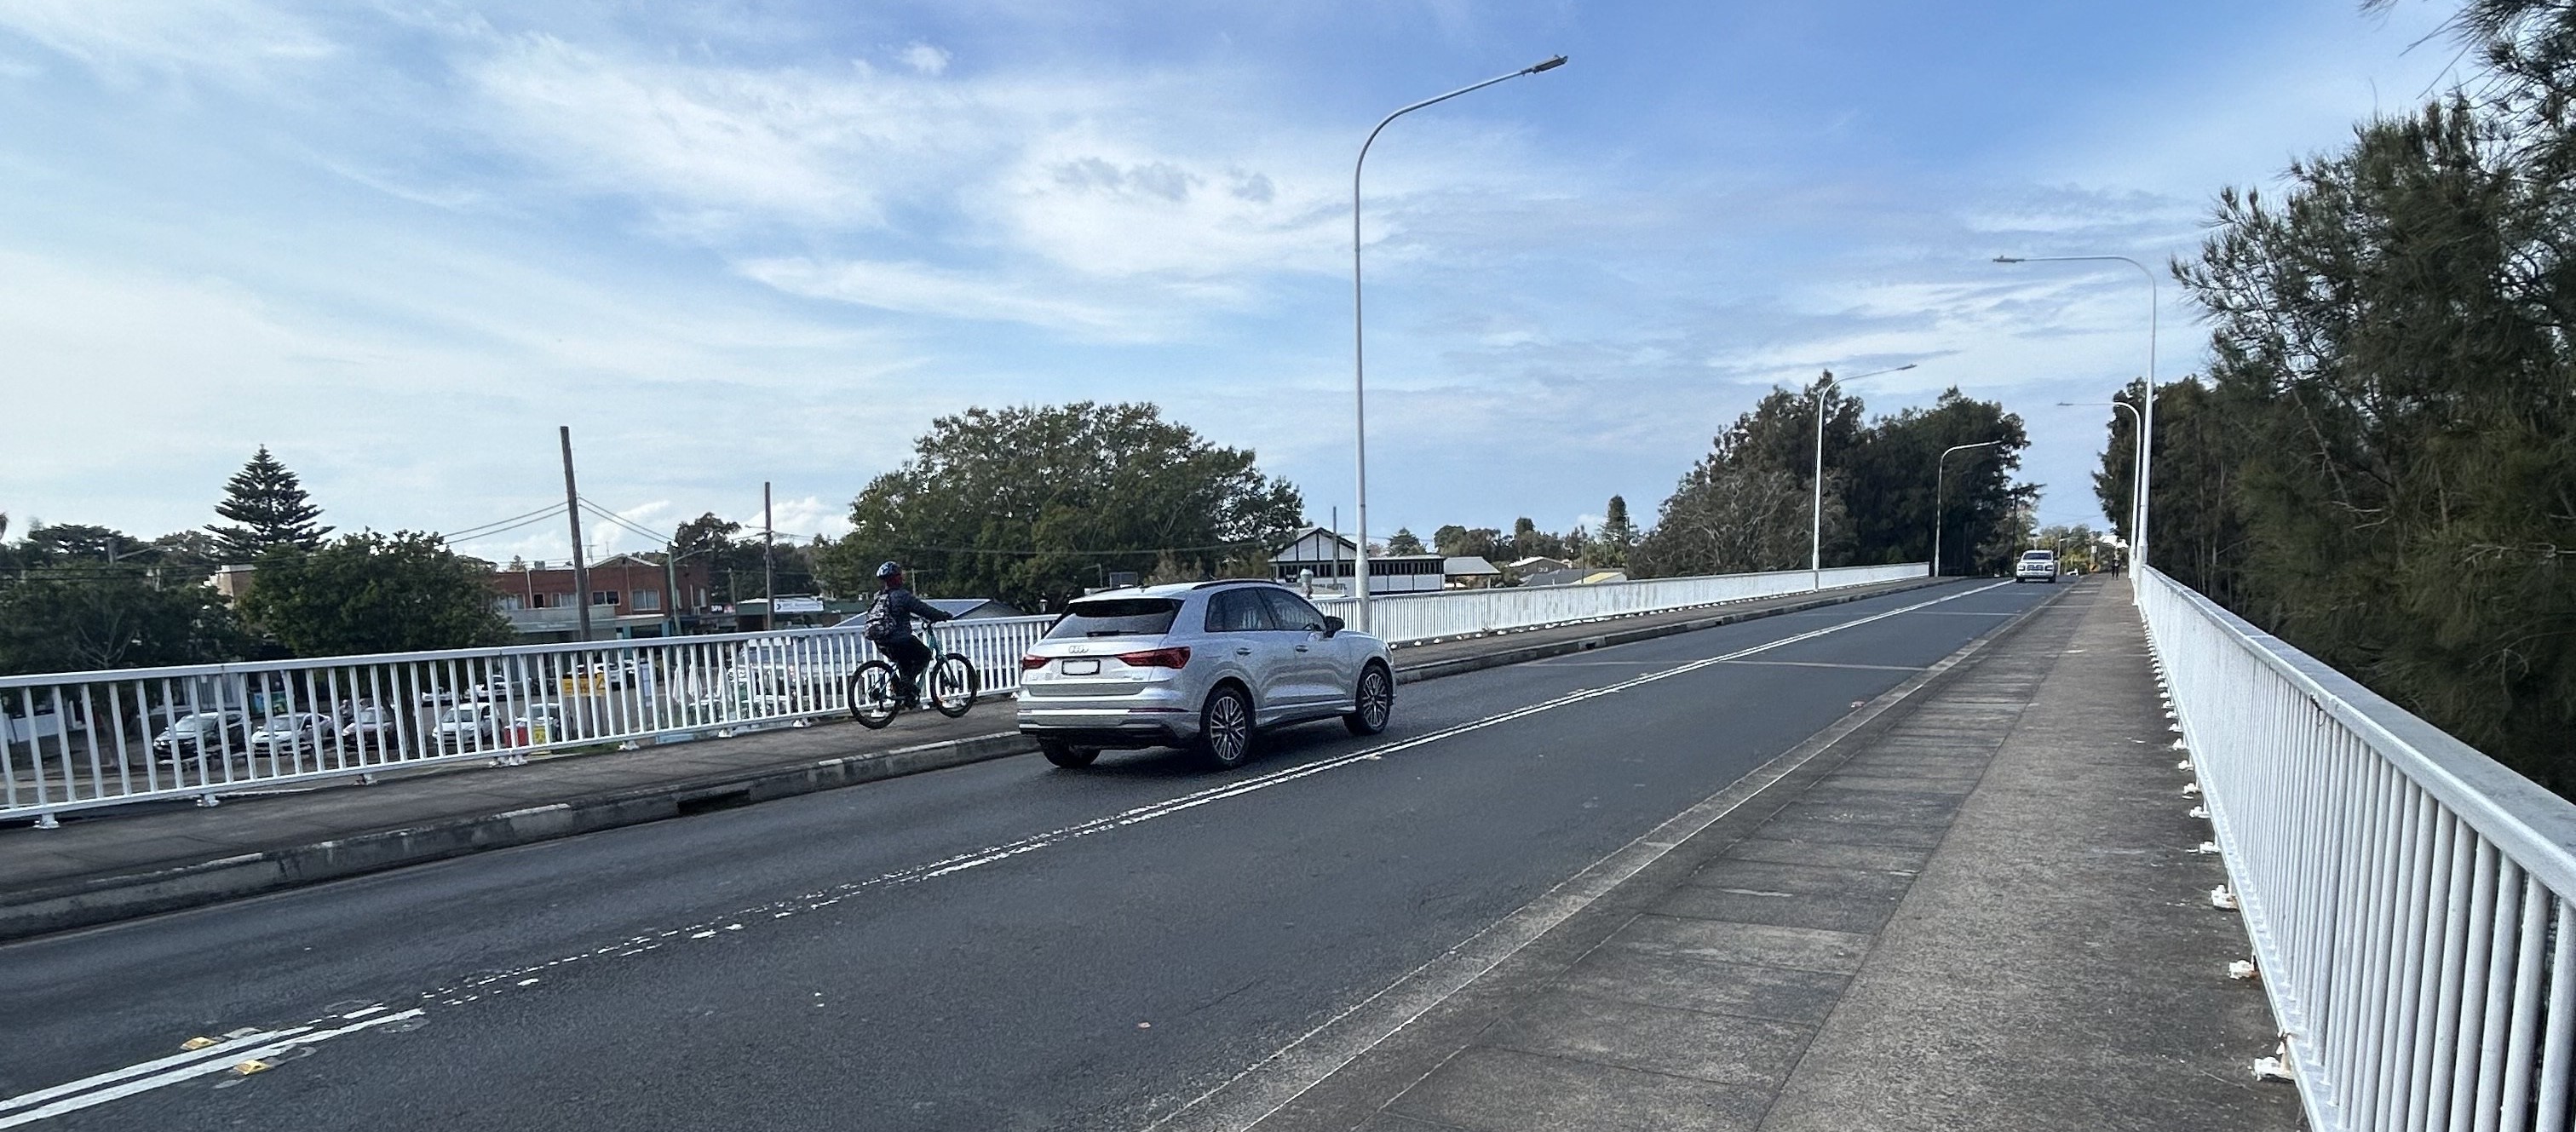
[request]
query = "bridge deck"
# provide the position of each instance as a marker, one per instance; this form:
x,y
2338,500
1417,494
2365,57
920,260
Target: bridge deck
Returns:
x,y
1982,915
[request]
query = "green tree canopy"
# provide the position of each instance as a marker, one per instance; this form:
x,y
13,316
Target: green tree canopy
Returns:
x,y
1405,541
1750,504
371,593
1479,542
268,508
2390,418
85,617
1033,504
1618,535
76,542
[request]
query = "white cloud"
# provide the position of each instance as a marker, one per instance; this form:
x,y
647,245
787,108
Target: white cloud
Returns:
x,y
914,288
925,58
236,40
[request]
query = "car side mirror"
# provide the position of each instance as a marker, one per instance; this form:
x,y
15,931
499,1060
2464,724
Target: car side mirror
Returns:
x,y
1332,625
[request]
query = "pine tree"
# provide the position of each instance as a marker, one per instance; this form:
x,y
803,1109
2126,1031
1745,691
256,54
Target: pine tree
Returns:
x,y
269,509
1405,542
1618,534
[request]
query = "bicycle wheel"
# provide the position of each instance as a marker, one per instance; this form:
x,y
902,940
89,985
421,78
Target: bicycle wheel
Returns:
x,y
952,685
872,695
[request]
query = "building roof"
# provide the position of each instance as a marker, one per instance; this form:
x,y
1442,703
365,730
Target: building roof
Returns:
x,y
973,607
1468,566
1538,562
1578,576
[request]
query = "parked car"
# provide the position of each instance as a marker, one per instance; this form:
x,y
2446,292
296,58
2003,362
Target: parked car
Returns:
x,y
467,726
2036,566
289,733
1207,666
198,732
369,727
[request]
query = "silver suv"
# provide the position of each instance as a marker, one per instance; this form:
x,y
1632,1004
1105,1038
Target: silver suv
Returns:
x,y
1203,666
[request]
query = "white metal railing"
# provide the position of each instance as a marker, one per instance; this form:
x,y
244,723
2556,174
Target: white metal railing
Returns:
x,y
79,740
2408,897
1414,618
87,739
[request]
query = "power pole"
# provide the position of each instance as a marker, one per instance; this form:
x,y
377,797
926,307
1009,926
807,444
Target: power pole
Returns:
x,y
671,572
572,511
768,561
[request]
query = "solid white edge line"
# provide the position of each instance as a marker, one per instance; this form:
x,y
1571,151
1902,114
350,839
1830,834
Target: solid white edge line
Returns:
x,y
1569,896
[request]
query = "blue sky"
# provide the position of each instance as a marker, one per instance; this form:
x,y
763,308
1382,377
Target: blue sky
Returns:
x,y
728,243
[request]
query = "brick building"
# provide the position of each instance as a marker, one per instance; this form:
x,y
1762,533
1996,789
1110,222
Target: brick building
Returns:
x,y
630,596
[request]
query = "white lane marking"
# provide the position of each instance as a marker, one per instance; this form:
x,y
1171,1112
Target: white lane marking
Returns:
x,y
494,983
218,1049
299,1036
290,1037
1275,1081
1822,664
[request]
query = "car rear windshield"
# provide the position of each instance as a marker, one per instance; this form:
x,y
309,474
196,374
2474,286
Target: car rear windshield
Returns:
x,y
1117,617
2037,555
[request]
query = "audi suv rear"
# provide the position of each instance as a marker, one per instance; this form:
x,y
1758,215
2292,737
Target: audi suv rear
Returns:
x,y
1206,666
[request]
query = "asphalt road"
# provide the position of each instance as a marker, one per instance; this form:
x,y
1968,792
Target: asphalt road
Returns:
x,y
998,946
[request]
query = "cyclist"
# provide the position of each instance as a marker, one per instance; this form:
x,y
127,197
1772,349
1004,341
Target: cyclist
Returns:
x,y
889,627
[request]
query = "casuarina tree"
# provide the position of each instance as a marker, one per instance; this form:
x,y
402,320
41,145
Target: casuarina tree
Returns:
x,y
268,508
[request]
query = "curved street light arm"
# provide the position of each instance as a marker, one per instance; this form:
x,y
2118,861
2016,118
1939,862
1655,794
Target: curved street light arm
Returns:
x,y
2147,419
2138,476
1359,352
1938,467
1816,508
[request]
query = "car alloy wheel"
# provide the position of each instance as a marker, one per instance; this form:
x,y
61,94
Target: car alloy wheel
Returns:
x,y
1225,729
1374,702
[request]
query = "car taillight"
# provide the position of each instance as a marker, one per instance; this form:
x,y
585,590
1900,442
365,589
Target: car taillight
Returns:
x,y
1156,658
1032,662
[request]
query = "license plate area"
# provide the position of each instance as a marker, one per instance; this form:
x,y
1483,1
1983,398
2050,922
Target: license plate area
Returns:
x,y
1082,668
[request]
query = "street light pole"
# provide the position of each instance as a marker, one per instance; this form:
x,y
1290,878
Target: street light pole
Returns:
x,y
1938,467
2137,478
1816,537
2147,419
1359,341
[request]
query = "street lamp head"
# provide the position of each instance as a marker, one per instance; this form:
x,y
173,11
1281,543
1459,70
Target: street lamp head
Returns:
x,y
1549,64
2008,259
1903,368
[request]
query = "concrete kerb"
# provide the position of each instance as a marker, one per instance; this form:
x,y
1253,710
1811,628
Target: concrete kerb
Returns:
x,y
1321,1081
101,900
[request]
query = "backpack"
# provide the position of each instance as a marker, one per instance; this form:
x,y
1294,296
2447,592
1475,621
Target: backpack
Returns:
x,y
880,625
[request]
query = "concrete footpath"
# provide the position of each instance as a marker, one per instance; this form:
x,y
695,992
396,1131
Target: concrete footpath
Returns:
x,y
128,861
1978,911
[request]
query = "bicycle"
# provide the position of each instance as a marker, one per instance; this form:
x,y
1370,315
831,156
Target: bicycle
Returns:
x,y
948,684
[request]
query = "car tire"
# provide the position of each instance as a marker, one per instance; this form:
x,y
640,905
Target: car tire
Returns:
x,y
1067,755
1373,702
1225,729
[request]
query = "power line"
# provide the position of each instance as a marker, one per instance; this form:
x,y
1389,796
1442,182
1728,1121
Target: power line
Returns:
x,y
1080,553
526,522
479,530
622,521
